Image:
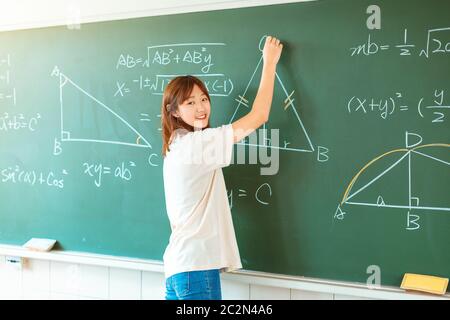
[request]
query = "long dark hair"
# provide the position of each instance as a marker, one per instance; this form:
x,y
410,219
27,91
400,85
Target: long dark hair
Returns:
x,y
177,91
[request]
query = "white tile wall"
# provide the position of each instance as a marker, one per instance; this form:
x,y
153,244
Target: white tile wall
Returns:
x,y
258,292
10,280
94,282
234,290
79,280
36,280
40,279
64,278
125,284
35,295
63,296
345,297
310,295
153,286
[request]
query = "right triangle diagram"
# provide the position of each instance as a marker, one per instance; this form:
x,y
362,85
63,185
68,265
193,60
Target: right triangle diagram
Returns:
x,y
84,118
284,115
383,182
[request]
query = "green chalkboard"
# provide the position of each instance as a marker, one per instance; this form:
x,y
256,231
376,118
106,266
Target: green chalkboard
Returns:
x,y
363,173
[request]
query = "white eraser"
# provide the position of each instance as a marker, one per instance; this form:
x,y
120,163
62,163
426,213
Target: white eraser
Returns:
x,y
39,244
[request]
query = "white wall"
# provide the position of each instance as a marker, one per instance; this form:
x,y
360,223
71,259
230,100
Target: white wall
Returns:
x,y
56,276
43,279
22,14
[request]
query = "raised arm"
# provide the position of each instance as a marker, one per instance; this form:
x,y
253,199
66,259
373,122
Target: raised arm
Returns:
x,y
259,113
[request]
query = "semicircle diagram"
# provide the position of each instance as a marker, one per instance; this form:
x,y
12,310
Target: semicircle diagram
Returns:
x,y
413,181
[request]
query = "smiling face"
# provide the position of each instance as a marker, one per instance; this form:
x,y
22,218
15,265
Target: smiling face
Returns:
x,y
195,110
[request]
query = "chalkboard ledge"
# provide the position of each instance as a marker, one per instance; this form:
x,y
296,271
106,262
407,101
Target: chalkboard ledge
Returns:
x,y
328,286
84,258
244,276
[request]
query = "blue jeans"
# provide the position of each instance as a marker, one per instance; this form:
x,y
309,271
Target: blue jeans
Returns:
x,y
194,285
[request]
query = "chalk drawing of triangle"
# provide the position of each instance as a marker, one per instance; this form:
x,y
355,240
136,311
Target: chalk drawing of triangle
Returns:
x,y
402,175
284,115
384,182
84,118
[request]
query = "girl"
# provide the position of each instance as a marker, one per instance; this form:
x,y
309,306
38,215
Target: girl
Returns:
x,y
203,243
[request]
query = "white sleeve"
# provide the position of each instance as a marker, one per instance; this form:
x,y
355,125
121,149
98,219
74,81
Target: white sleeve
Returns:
x,y
209,149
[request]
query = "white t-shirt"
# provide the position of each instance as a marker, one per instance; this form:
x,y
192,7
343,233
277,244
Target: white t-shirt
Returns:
x,y
197,204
